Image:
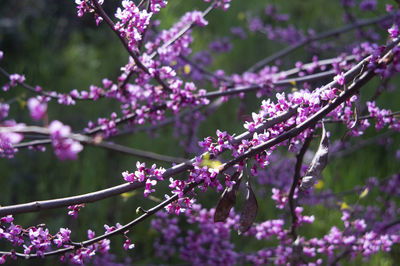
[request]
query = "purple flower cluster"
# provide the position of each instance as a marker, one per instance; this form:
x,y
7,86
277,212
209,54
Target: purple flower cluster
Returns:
x,y
7,139
209,245
289,34
165,246
15,79
64,147
182,45
143,174
223,4
368,5
199,247
383,117
280,198
239,32
107,126
133,22
156,5
179,206
62,237
181,98
4,108
74,209
152,82
221,45
37,240
272,12
85,6
394,31
37,107
82,255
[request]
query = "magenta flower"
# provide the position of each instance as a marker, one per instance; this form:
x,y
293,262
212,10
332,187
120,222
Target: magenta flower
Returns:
x,y
128,245
368,5
7,139
128,177
4,108
340,79
75,209
37,108
394,31
156,5
64,148
91,234
149,184
62,237
16,78
7,219
223,4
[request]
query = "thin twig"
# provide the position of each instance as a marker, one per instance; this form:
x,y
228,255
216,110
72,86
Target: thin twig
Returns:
x,y
289,49
171,41
295,183
27,86
110,23
285,82
89,141
68,201
120,230
183,30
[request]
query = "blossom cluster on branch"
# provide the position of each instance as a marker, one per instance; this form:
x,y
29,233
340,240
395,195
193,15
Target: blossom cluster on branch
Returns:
x,y
164,81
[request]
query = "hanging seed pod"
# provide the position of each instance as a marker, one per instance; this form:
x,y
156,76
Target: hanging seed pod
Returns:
x,y
228,199
318,163
249,211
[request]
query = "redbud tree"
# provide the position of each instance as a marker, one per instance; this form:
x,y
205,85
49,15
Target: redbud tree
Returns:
x,y
269,192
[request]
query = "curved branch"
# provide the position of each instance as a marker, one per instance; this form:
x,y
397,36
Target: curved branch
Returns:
x,y
120,230
113,191
68,201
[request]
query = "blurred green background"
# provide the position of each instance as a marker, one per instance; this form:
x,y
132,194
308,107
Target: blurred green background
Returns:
x,y
47,42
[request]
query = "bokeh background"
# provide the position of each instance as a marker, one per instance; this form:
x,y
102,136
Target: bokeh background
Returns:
x,y
47,42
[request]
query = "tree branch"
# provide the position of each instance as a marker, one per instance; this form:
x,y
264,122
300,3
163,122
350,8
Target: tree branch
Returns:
x,y
289,49
296,178
113,191
135,58
89,141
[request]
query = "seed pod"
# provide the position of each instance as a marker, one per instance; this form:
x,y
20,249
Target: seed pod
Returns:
x,y
228,199
318,163
249,211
